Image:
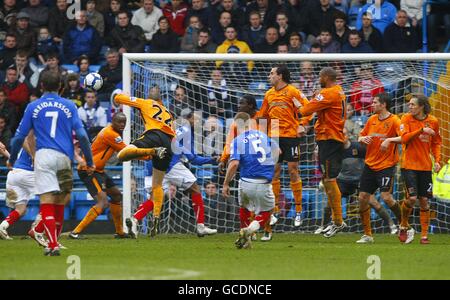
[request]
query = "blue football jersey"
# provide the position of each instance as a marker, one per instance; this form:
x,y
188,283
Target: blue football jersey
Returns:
x,y
24,161
53,119
255,152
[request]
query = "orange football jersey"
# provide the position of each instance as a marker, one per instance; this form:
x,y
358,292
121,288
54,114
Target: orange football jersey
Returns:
x,y
153,113
379,130
281,105
104,145
417,147
330,107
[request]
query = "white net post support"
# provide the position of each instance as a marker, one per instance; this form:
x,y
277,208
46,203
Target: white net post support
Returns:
x,y
399,74
126,177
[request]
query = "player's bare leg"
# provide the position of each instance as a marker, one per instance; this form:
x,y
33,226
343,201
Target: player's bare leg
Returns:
x,y
275,216
296,187
381,211
19,210
394,207
424,219
199,210
364,211
132,152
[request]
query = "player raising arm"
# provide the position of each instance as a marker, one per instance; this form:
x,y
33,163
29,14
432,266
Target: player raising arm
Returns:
x,y
155,142
53,119
421,143
280,108
329,104
253,153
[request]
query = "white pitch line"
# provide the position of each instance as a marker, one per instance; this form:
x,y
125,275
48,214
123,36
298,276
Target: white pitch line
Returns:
x,y
178,274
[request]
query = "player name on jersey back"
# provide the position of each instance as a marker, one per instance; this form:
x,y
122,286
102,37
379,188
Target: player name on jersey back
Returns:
x,y
50,103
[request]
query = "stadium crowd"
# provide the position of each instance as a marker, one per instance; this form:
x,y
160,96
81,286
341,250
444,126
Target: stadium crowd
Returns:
x,y
38,36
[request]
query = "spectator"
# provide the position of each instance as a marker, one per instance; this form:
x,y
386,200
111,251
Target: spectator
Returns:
x,y
218,31
370,34
321,15
267,10
233,45
190,38
296,44
400,36
383,14
27,72
17,92
81,39
53,65
165,40
25,36
364,89
126,37
38,13
111,74
200,10
414,10
72,89
355,44
147,18
341,30
196,94
5,136
254,33
9,110
284,27
8,53
296,11
204,44
91,114
218,98
327,43
83,67
353,125
95,18
58,21
315,48
213,136
8,12
179,103
269,45
221,212
45,44
309,81
110,16
282,48
237,15
176,12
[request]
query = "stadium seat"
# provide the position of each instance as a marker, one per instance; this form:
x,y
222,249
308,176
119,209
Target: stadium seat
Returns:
x,y
179,68
71,68
259,102
258,85
83,206
94,68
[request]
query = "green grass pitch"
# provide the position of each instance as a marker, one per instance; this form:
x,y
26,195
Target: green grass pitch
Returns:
x,y
287,256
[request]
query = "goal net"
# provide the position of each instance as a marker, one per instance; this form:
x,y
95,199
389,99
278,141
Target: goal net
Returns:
x,y
213,84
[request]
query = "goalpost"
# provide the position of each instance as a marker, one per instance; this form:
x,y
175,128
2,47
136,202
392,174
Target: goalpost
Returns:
x,y
215,96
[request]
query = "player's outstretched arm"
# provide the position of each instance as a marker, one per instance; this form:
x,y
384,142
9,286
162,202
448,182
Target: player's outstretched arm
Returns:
x,y
130,101
85,146
231,171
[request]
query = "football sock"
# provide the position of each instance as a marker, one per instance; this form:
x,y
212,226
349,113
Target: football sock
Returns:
x,y
143,209
296,188
276,187
244,216
327,215
12,217
263,217
48,217
158,198
396,210
132,153
365,219
91,215
199,209
59,218
405,215
334,194
116,212
424,222
39,228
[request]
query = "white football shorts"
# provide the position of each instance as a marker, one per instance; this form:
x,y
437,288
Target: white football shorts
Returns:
x,y
48,164
20,187
179,175
256,195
